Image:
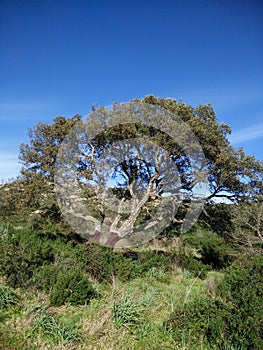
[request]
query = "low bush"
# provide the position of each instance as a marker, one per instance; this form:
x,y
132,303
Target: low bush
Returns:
x,y
45,277
102,263
242,290
218,218
202,319
213,250
189,262
21,252
108,263
72,287
233,318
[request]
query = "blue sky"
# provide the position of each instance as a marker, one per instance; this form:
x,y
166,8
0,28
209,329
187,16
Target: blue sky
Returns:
x,y
59,57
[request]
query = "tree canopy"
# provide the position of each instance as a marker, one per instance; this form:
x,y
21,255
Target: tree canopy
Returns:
x,y
142,172
39,156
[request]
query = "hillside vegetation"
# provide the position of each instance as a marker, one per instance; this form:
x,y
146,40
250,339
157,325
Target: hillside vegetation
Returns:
x,y
56,293
201,289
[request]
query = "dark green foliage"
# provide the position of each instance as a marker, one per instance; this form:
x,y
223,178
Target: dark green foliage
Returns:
x,y
242,290
72,287
202,318
21,252
128,267
47,220
215,254
45,277
213,249
38,157
98,261
188,261
102,263
36,222
234,318
53,266
218,218
61,267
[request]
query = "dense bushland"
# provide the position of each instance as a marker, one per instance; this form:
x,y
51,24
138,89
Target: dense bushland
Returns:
x,y
30,259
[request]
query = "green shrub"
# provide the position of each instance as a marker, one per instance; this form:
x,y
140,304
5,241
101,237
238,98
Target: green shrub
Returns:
x,y
35,222
214,251
189,262
45,277
72,287
22,252
149,259
199,320
101,262
218,218
96,261
233,319
128,266
242,290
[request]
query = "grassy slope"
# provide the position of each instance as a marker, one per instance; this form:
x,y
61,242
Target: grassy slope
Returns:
x,y
150,301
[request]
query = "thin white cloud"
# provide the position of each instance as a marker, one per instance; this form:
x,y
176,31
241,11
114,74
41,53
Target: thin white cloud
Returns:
x,y
246,134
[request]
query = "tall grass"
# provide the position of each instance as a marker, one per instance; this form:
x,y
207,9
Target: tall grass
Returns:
x,y
7,297
55,330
